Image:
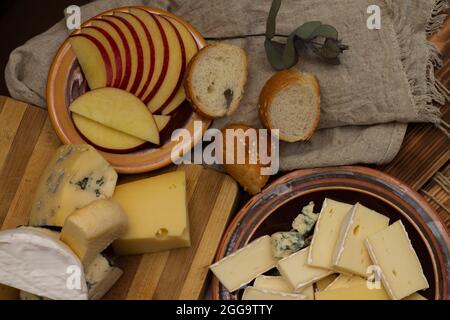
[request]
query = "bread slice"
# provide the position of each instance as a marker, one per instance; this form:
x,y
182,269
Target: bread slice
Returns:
x,y
215,79
290,102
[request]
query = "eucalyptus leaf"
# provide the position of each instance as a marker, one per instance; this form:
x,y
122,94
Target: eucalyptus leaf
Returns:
x,y
274,52
306,30
290,56
326,31
272,19
330,49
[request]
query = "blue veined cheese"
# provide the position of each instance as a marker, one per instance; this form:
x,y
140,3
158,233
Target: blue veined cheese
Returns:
x,y
76,176
305,221
286,243
101,275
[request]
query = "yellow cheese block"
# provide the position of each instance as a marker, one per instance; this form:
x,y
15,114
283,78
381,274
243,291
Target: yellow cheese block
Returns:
x,y
246,264
91,229
359,291
8,293
350,253
326,233
401,271
76,176
252,293
298,273
157,214
325,282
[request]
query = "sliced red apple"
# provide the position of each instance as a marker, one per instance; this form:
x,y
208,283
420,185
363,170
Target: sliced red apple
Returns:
x,y
118,110
161,121
93,59
111,48
161,52
191,48
119,38
148,48
175,70
137,56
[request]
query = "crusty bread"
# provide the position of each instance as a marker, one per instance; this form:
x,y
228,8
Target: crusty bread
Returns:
x,y
215,79
248,175
290,102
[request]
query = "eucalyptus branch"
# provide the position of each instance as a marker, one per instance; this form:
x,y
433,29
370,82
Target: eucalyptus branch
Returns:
x,y
252,35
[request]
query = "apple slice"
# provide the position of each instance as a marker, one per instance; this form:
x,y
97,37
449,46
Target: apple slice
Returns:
x,y
111,48
190,48
175,70
119,38
119,110
161,121
148,49
137,56
93,59
161,52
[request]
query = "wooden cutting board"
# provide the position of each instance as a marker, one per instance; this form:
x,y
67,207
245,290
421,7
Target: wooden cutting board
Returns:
x,y
27,142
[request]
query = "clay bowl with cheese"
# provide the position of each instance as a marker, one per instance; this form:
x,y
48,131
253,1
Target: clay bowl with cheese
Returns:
x,y
67,81
275,208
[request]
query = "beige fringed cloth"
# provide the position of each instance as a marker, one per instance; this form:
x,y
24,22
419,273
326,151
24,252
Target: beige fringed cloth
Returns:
x,y
385,80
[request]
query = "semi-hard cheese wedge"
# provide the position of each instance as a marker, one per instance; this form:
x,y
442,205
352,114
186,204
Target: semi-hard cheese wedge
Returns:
x,y
279,284
241,267
252,293
89,230
325,282
36,262
76,176
298,273
358,291
157,214
326,233
350,253
401,271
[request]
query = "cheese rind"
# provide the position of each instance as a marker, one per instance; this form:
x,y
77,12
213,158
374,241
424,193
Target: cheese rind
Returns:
x,y
298,273
36,262
326,233
244,265
76,176
89,230
350,253
401,271
252,293
157,214
359,291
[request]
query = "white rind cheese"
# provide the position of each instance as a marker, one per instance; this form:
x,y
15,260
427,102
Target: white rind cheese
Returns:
x,y
401,271
241,267
350,253
252,293
298,273
36,262
76,176
91,229
326,233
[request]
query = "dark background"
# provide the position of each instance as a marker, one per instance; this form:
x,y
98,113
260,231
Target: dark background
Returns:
x,y
20,20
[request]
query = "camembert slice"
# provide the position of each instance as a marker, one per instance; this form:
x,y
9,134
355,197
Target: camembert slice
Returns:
x,y
241,267
401,271
326,233
350,253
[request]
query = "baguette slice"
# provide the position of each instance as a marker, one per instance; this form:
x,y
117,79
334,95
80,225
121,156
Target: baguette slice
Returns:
x,y
290,102
215,79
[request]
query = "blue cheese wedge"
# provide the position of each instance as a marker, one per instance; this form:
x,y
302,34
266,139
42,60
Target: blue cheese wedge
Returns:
x,y
305,221
76,176
286,243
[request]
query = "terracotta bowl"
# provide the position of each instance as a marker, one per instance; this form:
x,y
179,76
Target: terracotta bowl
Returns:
x,y
66,82
274,209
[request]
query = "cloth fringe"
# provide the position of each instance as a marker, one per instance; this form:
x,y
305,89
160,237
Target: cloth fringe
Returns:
x,y
423,95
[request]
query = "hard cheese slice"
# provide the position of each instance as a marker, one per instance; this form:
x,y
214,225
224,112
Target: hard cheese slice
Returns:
x,y
298,273
252,293
350,254
279,284
401,271
246,264
36,262
325,282
89,230
358,291
157,214
76,176
326,233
